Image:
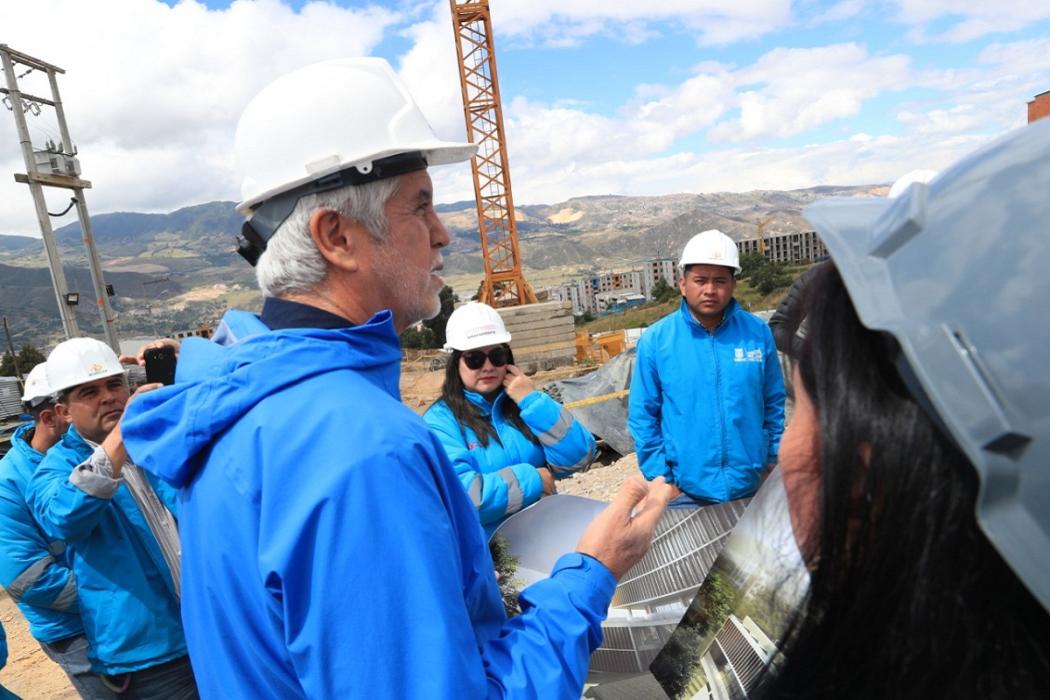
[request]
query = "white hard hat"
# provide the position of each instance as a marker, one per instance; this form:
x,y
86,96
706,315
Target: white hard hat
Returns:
x,y
905,181
80,360
711,247
474,325
37,389
331,124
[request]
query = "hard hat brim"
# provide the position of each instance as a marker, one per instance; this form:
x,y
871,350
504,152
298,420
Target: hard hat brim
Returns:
x,y
103,375
435,152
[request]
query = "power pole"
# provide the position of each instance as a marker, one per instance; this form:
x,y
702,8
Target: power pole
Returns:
x,y
55,166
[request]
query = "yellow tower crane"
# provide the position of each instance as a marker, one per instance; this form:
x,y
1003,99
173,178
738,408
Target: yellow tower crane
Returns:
x,y
504,283
761,226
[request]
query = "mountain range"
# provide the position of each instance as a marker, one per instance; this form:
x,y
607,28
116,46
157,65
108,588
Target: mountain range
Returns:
x,y
173,271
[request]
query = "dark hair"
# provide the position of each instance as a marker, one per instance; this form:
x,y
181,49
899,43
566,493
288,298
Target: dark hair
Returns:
x,y
908,598
470,416
34,410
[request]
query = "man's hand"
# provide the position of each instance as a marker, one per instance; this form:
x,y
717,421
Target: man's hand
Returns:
x,y
547,477
114,442
140,358
516,384
621,534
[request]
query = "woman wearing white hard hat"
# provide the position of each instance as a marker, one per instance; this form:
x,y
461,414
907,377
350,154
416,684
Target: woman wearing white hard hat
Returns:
x,y
915,465
507,441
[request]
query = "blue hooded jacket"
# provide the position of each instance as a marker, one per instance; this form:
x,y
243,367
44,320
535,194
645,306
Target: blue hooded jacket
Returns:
x,y
706,410
33,568
128,602
329,551
501,477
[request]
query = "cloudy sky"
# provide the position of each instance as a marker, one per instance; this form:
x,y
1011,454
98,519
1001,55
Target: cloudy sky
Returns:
x,y
600,96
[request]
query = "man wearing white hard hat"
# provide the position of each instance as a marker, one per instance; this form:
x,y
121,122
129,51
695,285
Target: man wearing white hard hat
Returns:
x,y
329,550
34,568
706,409
118,523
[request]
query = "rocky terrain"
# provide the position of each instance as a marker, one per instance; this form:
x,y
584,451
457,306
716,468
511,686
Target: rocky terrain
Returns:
x,y
173,271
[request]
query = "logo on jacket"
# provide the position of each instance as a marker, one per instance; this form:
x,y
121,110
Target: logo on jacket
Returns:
x,y
742,355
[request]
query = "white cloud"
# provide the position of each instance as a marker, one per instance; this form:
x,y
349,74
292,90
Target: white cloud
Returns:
x,y
567,22
152,93
970,18
790,91
839,11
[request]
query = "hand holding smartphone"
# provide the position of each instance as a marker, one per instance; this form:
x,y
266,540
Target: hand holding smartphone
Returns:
x,y
160,365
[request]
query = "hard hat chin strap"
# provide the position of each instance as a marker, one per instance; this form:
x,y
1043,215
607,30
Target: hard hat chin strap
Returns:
x,y
268,216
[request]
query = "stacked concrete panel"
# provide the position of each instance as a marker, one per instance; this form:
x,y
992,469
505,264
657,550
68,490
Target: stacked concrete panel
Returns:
x,y
543,335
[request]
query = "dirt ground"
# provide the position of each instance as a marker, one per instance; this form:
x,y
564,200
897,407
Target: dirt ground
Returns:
x,y
31,675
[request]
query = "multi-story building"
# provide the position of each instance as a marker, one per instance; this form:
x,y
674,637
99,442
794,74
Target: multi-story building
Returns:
x,y
1039,107
603,291
658,268
793,247
653,596
735,660
578,293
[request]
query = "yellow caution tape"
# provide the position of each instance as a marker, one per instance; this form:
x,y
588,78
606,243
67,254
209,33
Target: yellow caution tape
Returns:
x,y
598,399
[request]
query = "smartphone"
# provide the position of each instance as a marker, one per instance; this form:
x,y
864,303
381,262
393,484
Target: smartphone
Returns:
x,y
160,365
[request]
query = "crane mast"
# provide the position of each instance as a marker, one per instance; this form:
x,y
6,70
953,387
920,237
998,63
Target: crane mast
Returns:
x,y
504,283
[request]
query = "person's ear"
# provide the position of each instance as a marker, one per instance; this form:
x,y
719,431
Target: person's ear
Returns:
x,y
337,239
48,417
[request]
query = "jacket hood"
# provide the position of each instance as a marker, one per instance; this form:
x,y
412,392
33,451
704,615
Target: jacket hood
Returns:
x,y
27,455
166,430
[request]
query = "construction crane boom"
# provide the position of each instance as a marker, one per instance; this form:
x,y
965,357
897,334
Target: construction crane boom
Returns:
x,y
504,283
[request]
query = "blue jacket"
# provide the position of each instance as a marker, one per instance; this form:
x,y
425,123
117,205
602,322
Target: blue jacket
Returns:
x,y
33,568
127,597
706,410
329,551
5,694
501,477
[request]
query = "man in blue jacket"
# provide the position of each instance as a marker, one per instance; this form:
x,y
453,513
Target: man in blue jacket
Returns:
x,y
706,409
119,527
34,569
329,550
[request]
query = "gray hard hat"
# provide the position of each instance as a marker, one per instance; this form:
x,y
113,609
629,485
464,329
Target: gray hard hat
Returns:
x,y
955,271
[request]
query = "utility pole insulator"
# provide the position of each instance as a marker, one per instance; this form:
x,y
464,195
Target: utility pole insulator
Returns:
x,y
55,166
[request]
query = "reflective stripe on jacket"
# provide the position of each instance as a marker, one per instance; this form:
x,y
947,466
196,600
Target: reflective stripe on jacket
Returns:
x,y
329,551
127,598
501,477
33,568
706,410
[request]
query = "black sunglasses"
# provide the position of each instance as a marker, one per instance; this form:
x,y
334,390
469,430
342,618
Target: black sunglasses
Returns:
x,y
475,359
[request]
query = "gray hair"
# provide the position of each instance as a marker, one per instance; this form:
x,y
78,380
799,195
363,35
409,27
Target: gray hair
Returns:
x,y
292,263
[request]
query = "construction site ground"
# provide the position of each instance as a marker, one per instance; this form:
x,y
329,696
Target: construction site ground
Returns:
x,y
31,675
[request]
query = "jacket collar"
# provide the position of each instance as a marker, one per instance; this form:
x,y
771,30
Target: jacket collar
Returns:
x,y
727,315
481,402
